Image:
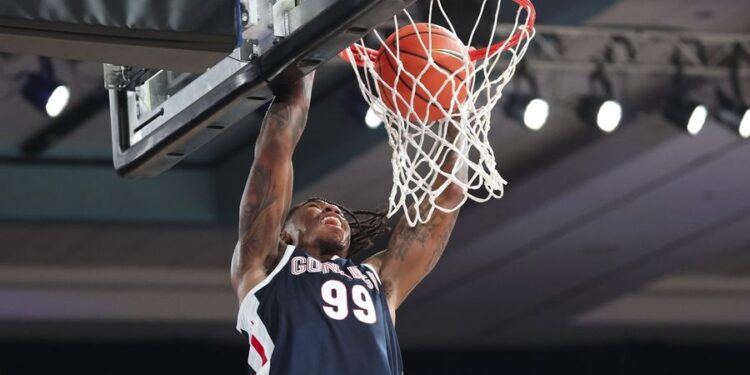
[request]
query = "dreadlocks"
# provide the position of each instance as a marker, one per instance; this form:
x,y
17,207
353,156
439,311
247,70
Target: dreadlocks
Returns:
x,y
365,226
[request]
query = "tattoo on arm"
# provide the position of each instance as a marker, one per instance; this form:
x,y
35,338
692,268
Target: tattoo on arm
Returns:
x,y
268,190
253,230
255,202
414,251
280,115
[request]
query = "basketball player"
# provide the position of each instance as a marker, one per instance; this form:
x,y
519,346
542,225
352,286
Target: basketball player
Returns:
x,y
305,306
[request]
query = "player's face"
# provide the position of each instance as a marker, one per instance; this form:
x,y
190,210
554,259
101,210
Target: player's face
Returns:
x,y
323,225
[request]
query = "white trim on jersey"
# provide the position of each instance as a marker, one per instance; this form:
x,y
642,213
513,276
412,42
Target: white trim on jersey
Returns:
x,y
259,358
282,263
374,271
249,321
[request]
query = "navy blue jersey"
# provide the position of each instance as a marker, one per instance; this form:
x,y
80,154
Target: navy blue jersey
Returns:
x,y
311,317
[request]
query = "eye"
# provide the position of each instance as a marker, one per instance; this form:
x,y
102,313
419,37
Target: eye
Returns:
x,y
313,205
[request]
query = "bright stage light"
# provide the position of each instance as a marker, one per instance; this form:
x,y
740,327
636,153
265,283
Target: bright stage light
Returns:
x,y
536,113
372,120
609,116
697,119
57,101
42,90
744,128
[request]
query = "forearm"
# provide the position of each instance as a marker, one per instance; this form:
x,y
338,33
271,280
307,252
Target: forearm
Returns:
x,y
452,192
271,172
414,251
280,132
268,190
283,125
412,254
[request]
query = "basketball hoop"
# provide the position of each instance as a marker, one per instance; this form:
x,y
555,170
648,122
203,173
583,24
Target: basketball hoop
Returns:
x,y
418,142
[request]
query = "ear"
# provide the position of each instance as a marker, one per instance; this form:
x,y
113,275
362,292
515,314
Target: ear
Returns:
x,y
286,238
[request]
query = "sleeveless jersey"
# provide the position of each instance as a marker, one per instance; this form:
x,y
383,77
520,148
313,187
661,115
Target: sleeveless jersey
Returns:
x,y
311,317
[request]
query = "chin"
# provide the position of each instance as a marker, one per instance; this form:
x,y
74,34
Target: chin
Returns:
x,y
332,246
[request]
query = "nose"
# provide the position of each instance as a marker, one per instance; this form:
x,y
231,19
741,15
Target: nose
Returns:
x,y
332,208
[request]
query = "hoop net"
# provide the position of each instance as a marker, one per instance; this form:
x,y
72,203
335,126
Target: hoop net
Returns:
x,y
419,147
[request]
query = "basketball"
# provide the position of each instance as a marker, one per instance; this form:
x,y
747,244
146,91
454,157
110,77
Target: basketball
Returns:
x,y
442,84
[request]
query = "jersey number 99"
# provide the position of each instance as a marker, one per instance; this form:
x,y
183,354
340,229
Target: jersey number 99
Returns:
x,y
335,296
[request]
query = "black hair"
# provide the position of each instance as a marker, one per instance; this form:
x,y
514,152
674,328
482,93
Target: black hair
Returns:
x,y
365,226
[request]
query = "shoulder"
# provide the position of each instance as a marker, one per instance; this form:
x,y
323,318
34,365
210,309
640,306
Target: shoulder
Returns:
x,y
375,261
374,264
250,283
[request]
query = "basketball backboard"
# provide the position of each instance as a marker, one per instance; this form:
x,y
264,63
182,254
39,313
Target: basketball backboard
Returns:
x,y
159,117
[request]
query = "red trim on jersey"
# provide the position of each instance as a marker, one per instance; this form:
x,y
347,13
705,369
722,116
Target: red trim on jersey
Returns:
x,y
259,348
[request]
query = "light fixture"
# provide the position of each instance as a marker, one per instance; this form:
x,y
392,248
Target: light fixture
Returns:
x,y
681,109
57,101
609,116
44,91
697,119
734,114
372,119
744,128
601,109
687,114
530,109
536,113
733,111
603,112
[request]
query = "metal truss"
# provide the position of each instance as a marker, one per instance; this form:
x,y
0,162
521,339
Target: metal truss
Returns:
x,y
638,52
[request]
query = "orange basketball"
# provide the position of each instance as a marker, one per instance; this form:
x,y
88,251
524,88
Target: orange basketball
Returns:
x,y
450,62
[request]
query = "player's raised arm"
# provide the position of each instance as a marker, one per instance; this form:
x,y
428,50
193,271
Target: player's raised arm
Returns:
x,y
413,251
268,190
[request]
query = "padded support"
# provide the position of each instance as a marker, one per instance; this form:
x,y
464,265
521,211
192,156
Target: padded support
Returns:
x,y
181,35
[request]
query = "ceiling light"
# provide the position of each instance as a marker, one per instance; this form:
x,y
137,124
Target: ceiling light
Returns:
x,y
734,114
686,114
44,92
744,128
604,113
536,113
609,116
372,119
599,108
57,101
530,110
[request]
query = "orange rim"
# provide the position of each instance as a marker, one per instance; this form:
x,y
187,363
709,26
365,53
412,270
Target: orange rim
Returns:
x,y
359,52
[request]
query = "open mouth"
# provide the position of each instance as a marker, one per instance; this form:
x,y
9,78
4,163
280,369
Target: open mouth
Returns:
x,y
332,221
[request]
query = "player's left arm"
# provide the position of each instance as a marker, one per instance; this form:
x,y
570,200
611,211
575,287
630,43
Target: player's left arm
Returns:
x,y
414,251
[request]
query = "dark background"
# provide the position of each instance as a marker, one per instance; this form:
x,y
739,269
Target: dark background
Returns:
x,y
193,357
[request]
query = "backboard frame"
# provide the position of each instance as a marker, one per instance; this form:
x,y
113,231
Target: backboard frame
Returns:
x,y
236,86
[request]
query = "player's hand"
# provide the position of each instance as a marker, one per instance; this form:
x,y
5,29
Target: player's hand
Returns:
x,y
451,131
300,89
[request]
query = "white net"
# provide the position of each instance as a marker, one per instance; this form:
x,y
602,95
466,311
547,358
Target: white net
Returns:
x,y
419,111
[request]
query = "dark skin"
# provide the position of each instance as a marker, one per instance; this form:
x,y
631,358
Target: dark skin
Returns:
x,y
319,227
413,252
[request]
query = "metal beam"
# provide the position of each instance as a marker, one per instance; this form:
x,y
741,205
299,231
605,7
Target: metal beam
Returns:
x,y
638,51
